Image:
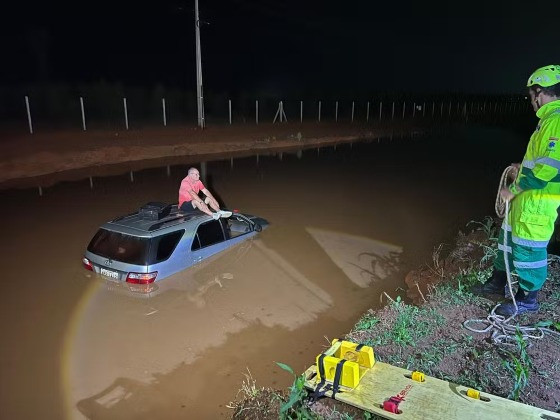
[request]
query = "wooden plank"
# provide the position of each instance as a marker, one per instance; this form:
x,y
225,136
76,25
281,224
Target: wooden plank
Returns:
x,y
431,399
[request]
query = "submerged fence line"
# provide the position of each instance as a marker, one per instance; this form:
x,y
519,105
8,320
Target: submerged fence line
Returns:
x,y
441,109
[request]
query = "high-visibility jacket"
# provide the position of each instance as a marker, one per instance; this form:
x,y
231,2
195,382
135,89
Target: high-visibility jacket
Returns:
x,y
537,186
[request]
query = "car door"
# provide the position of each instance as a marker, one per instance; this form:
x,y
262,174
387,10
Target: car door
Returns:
x,y
208,240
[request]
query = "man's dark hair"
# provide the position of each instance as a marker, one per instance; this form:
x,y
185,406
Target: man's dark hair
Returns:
x,y
553,90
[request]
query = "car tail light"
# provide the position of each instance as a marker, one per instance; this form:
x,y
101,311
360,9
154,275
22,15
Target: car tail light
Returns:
x,y
87,264
141,278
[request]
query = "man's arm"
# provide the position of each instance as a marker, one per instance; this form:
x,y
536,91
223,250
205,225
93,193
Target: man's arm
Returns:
x,y
211,200
545,167
195,197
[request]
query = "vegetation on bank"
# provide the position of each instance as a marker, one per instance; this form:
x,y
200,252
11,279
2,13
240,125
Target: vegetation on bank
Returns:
x,y
432,337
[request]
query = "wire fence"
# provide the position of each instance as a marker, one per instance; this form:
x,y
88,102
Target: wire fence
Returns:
x,y
114,107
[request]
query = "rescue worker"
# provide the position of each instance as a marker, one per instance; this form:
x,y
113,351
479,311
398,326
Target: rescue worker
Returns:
x,y
534,198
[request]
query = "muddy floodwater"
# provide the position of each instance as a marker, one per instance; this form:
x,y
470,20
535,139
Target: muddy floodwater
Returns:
x,y
346,223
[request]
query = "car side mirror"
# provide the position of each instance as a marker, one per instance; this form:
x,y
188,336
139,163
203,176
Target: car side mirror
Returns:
x,y
258,227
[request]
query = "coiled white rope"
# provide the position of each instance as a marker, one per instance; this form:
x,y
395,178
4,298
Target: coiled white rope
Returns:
x,y
502,332
500,205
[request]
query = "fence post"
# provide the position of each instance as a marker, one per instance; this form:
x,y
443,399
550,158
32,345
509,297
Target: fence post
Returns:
x,y
164,113
28,115
83,113
367,112
229,107
393,111
280,113
125,113
336,112
300,111
403,108
257,112
352,117
319,111
203,171
380,110
413,109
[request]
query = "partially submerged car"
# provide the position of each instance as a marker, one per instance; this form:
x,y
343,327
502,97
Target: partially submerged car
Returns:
x,y
158,241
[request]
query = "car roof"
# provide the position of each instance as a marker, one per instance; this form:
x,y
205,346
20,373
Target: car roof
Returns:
x,y
139,225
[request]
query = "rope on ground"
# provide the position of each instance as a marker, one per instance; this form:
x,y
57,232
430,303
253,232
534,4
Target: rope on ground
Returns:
x,y
504,334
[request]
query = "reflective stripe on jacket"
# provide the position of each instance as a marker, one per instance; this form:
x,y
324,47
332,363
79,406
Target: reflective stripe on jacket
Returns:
x,y
534,209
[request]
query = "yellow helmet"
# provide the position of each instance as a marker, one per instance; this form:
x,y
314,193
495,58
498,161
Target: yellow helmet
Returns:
x,y
545,76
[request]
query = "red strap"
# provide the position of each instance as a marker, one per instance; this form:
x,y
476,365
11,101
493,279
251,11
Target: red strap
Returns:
x,y
392,404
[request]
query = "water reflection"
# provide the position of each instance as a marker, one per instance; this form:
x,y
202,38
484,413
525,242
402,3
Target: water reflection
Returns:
x,y
363,260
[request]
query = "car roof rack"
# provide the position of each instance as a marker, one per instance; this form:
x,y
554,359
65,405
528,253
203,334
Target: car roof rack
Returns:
x,y
167,220
148,220
152,211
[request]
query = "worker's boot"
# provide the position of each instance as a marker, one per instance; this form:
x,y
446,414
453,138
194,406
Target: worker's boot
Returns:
x,y
526,302
495,285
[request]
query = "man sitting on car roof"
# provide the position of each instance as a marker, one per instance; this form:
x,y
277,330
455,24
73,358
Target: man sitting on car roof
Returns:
x,y
189,200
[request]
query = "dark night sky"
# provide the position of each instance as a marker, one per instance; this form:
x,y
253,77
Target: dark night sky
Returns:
x,y
482,47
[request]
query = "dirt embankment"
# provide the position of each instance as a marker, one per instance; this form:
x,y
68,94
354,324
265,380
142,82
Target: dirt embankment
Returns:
x,y
25,155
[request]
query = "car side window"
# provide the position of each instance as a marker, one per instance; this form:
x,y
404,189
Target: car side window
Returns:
x,y
167,244
209,233
196,243
238,226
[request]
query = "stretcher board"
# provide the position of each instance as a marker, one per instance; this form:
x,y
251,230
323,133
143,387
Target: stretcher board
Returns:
x,y
431,399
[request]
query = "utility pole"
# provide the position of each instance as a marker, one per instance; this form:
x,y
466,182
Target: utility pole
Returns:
x,y
199,93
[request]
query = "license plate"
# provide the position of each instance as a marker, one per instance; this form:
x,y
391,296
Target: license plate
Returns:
x,y
109,273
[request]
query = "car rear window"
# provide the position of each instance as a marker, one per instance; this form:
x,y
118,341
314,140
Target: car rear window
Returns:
x,y
120,247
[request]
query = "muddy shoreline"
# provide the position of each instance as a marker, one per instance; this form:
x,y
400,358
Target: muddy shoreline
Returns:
x,y
44,159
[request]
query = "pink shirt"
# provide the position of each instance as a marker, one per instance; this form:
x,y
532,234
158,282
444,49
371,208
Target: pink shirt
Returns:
x,y
186,186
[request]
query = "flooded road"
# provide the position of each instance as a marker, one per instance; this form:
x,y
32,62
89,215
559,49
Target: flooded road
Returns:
x,y
347,223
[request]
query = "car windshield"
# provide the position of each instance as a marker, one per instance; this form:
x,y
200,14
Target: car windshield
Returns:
x,y
120,247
